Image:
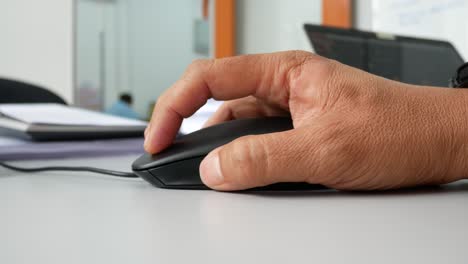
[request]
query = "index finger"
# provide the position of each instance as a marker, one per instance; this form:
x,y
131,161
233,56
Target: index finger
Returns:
x,y
264,76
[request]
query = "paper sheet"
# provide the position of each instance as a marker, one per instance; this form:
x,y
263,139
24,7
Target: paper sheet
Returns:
x,y
7,142
11,149
196,121
56,114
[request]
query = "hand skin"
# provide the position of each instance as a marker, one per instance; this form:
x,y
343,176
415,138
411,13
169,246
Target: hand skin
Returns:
x,y
352,130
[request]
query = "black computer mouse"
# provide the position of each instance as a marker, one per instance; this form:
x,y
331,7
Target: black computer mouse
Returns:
x,y
177,167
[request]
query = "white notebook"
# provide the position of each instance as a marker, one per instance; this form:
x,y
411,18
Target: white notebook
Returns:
x,y
60,122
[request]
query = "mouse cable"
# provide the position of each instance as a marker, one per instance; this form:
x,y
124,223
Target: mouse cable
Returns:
x,y
61,168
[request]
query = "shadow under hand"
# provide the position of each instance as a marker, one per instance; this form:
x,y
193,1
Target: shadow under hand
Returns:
x,y
457,187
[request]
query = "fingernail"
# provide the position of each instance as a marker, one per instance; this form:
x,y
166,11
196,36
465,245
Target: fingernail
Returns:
x,y
148,129
147,135
210,170
147,141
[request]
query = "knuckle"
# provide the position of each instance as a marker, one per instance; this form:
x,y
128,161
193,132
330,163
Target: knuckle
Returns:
x,y
301,61
199,68
160,101
199,65
329,84
325,72
311,75
246,158
227,105
301,55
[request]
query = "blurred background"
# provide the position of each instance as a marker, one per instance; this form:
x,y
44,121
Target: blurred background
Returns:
x,y
90,52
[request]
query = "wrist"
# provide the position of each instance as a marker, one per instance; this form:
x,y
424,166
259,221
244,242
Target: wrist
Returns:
x,y
458,116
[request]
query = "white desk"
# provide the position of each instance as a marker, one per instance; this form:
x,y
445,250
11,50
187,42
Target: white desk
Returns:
x,y
87,218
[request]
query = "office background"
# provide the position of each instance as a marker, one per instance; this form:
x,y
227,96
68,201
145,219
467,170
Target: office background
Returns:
x,y
89,51
66,217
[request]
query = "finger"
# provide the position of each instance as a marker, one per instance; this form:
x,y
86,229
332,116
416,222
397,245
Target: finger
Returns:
x,y
255,161
265,76
248,107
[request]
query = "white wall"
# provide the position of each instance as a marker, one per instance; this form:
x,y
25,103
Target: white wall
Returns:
x,y
363,14
36,43
437,19
275,25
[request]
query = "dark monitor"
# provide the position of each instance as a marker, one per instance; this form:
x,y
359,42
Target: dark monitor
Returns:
x,y
405,59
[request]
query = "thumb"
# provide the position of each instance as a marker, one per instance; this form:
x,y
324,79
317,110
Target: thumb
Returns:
x,y
255,161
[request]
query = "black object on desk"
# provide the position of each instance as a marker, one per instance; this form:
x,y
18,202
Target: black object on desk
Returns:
x,y
14,92
461,78
406,59
177,167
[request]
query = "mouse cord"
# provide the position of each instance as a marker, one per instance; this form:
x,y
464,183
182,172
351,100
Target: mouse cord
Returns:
x,y
61,168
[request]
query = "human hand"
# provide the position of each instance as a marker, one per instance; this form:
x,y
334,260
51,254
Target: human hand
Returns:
x,y
352,130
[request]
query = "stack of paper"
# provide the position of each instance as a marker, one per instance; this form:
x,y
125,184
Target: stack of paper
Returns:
x,y
196,121
59,122
17,149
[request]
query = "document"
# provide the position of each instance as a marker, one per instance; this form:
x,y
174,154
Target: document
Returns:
x,y
196,121
45,122
57,114
17,149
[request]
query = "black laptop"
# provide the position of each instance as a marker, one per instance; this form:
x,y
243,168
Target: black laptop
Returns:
x,y
405,59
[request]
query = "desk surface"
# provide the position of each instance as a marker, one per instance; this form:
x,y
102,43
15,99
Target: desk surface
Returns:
x,y
87,218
